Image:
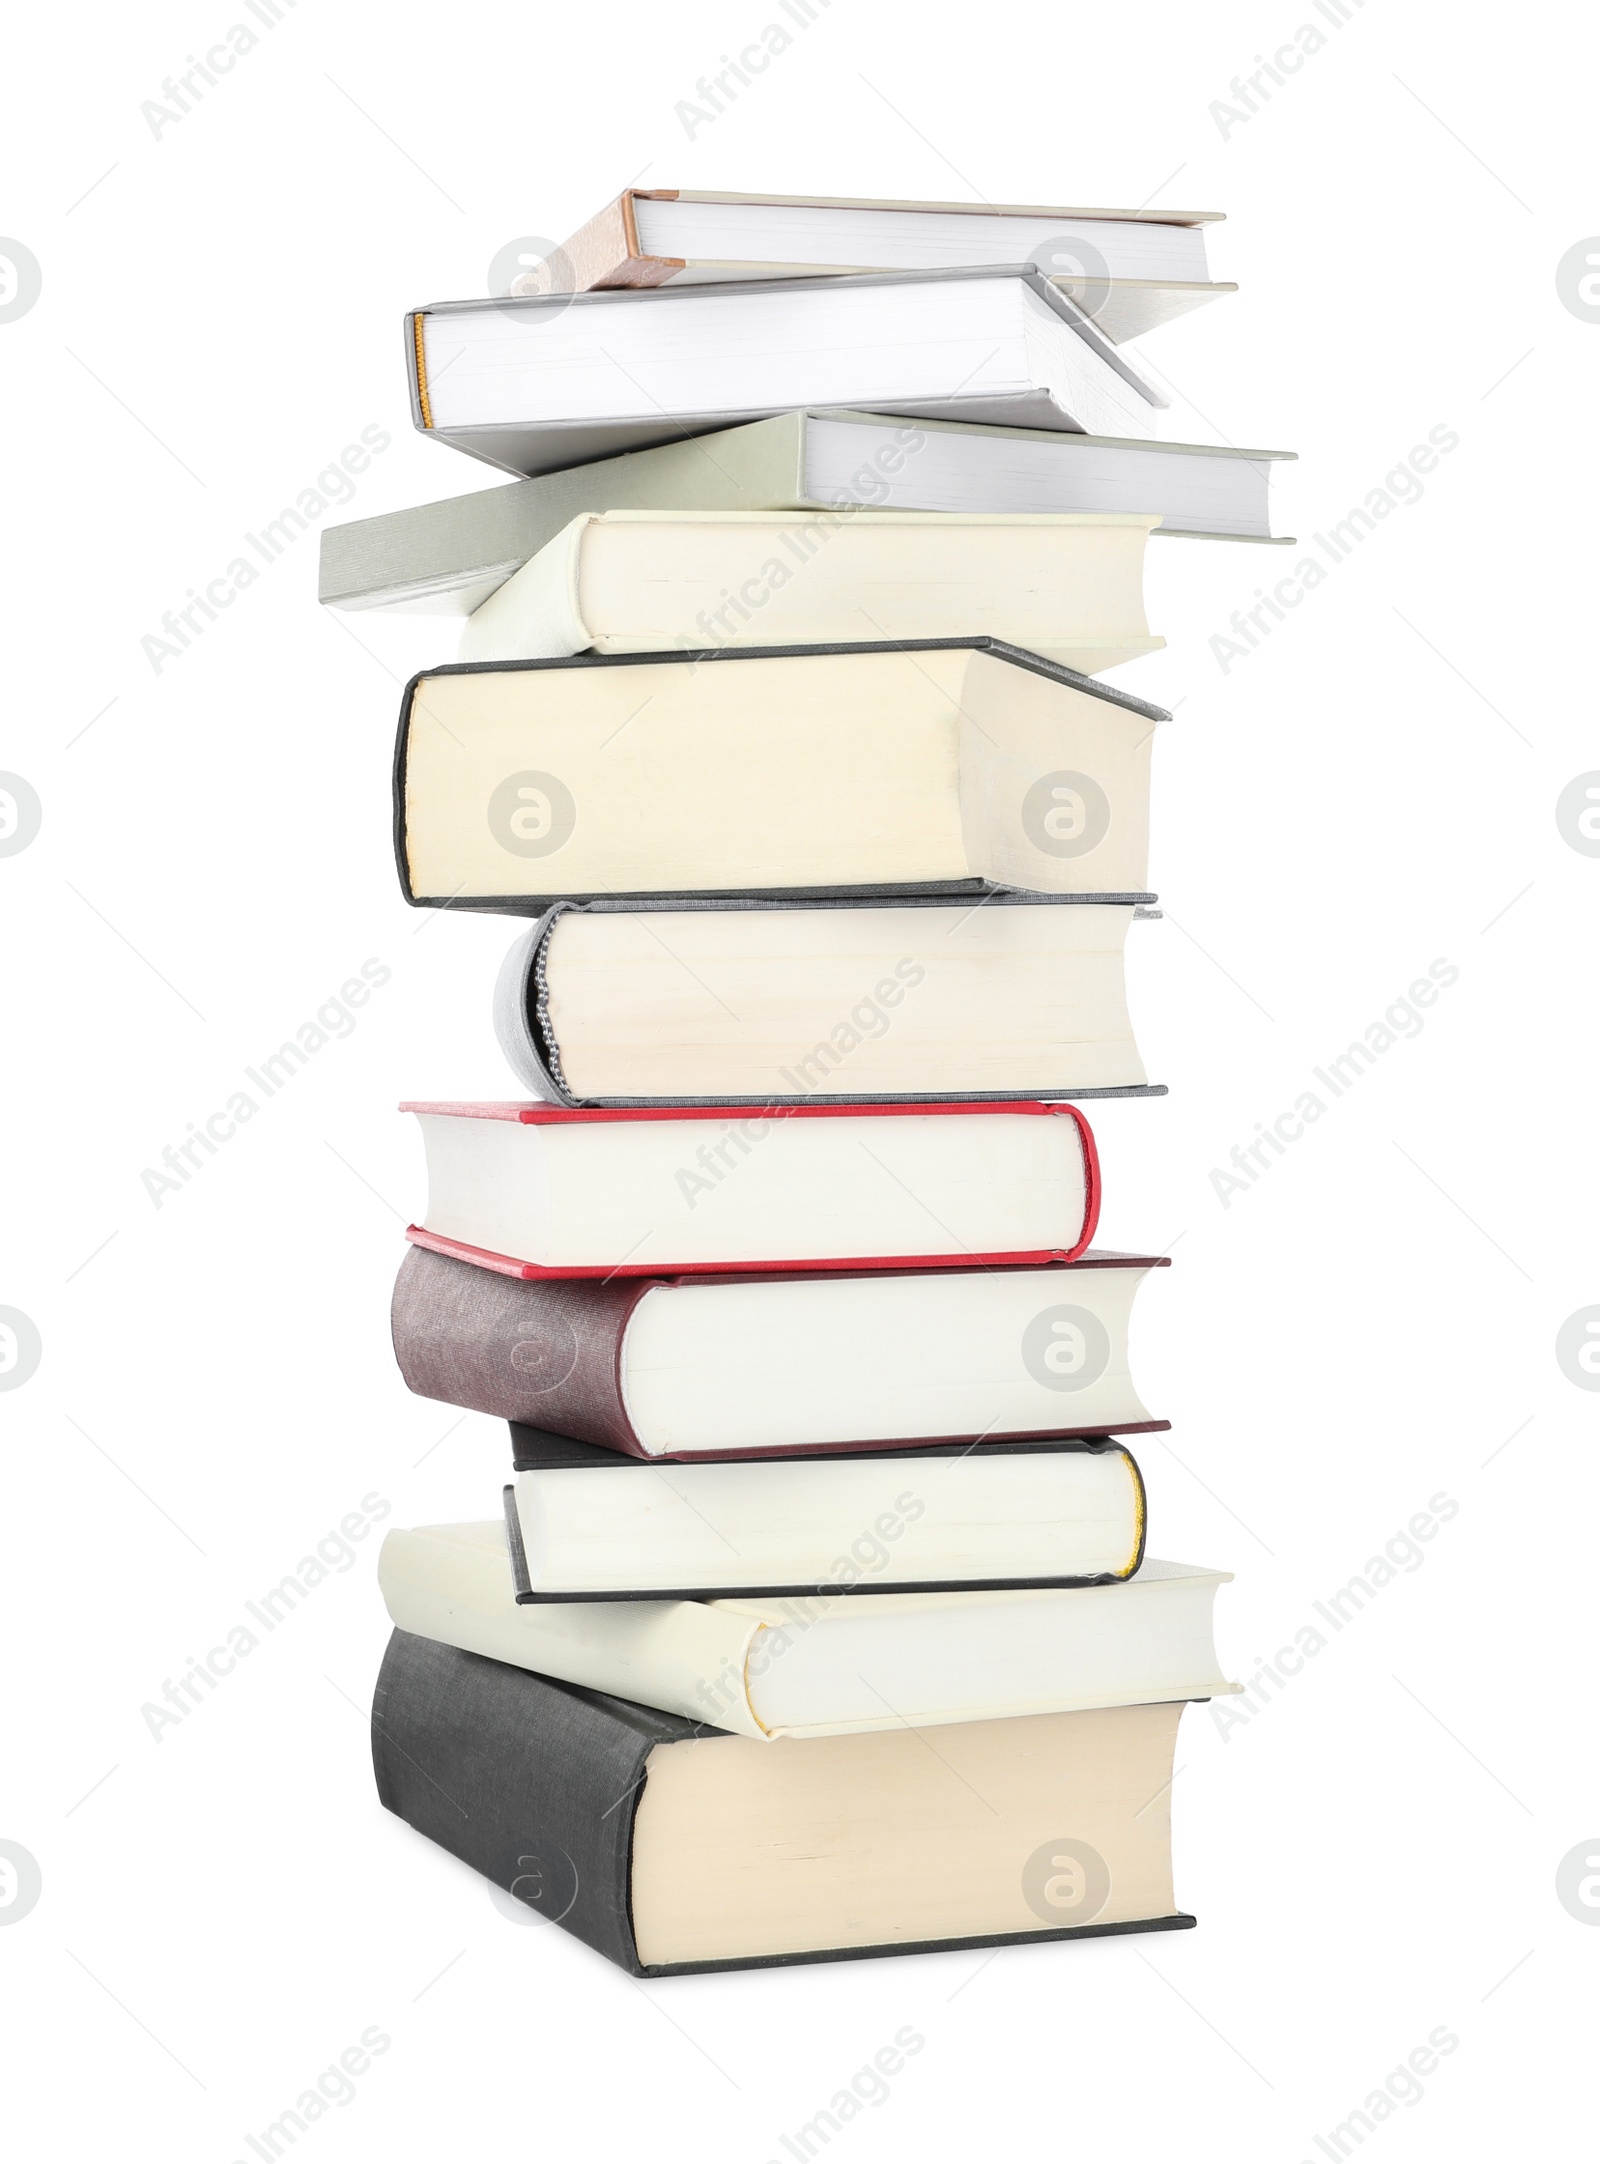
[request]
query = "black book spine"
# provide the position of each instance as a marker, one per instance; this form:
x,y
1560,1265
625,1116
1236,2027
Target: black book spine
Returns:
x,y
531,1782
536,1784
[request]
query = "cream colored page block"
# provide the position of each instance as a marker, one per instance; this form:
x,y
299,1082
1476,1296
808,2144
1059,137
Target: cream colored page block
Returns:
x,y
741,1849
924,1355
759,580
803,1189
940,1657
1055,784
1095,657
842,1003
764,1188
829,771
1056,1514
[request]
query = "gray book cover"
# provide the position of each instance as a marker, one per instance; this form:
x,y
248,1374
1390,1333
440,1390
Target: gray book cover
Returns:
x,y
450,556
446,558
537,1784
523,1029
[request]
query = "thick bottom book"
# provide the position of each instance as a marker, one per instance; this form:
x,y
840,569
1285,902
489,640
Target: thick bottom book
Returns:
x,y
672,1847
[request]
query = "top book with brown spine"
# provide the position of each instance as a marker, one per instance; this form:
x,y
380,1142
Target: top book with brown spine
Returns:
x,y
1130,270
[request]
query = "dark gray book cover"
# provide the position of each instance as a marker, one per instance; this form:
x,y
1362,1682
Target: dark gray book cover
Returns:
x,y
499,1765
536,1784
535,900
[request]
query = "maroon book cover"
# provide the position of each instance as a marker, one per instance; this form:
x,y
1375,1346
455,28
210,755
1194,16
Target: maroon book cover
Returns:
x,y
548,1352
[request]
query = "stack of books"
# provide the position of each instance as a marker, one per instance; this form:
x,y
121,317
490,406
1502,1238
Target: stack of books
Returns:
x,y
818,1622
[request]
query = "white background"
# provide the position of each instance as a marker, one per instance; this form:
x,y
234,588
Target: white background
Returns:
x,y
1373,1854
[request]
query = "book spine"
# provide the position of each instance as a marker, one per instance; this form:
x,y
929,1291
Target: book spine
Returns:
x,y
689,1657
606,253
546,1353
398,834
531,1784
417,370
515,1013
537,613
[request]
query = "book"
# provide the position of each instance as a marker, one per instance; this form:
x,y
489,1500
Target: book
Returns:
x,y
732,1003
756,1365
1129,269
962,1518
448,558
669,1846
825,1663
538,1191
926,766
627,582
536,384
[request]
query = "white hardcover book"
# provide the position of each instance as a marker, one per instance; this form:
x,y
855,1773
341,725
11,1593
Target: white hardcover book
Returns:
x,y
447,558
757,1004
1130,269
591,1524
630,582
538,384
932,767
829,1664
534,1190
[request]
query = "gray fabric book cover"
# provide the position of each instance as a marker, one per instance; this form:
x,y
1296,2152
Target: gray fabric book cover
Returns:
x,y
454,554
536,1784
447,557
497,1765
522,1022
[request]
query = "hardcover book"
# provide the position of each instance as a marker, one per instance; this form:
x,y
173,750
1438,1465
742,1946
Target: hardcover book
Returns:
x,y
632,582
757,1003
827,1662
447,558
670,1847
1129,269
536,1191
685,1367
588,1524
940,766
537,384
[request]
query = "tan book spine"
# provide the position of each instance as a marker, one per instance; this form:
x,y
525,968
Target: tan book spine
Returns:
x,y
605,253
